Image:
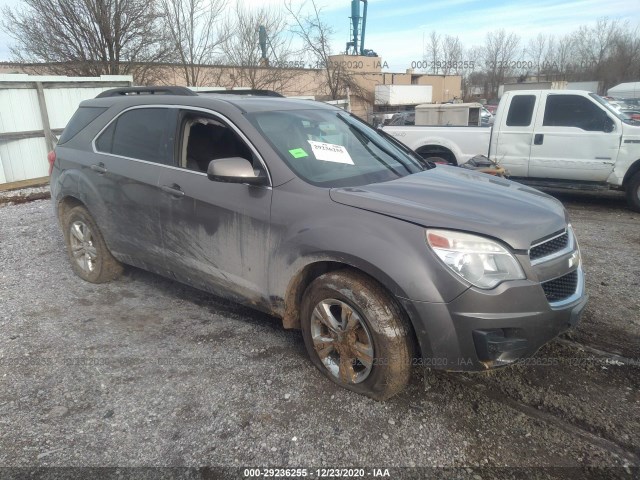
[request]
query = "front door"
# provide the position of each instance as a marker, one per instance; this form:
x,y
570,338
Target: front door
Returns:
x,y
215,234
575,139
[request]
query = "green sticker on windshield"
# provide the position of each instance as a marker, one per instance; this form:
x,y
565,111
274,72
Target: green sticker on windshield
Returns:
x,y
298,153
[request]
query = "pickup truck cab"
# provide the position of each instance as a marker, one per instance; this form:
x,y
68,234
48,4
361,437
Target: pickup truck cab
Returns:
x,y
547,138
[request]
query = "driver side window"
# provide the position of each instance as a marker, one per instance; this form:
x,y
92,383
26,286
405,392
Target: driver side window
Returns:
x,y
574,111
204,139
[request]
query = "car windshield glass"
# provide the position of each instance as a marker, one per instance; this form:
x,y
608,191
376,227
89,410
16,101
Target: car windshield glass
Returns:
x,y
610,108
333,149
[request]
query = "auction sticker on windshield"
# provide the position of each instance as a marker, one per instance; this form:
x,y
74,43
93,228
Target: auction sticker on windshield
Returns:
x,y
298,153
330,152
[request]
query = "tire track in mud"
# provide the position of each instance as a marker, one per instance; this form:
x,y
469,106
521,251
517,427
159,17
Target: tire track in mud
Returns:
x,y
553,420
614,357
553,415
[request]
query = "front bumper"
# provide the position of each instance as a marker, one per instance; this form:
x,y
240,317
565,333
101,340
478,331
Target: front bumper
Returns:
x,y
485,329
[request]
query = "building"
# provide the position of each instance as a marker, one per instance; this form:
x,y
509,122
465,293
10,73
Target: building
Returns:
x,y
362,74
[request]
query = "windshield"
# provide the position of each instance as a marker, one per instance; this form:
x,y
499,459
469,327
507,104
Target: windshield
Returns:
x,y
612,109
334,149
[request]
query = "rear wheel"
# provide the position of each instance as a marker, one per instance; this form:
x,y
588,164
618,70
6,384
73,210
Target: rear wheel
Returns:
x,y
90,258
633,192
356,335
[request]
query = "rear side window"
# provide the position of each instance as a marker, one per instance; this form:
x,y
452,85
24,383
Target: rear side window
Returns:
x,y
521,111
141,133
83,117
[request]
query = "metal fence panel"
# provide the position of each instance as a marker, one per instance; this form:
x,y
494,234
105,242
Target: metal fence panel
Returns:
x,y
25,131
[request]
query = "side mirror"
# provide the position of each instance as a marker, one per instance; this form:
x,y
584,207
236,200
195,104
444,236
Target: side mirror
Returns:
x,y
234,170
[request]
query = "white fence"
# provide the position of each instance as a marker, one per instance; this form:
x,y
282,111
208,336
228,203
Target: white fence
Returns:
x,y
33,111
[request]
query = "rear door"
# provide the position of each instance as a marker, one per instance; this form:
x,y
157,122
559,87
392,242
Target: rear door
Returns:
x,y
215,234
574,139
513,136
130,152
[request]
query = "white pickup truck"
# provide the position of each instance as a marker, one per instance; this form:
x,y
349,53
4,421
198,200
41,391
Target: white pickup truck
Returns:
x,y
546,138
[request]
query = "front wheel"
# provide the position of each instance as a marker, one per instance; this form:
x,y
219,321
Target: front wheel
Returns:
x,y
356,335
633,192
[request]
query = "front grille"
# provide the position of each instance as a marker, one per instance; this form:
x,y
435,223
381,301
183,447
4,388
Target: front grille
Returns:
x,y
549,247
561,288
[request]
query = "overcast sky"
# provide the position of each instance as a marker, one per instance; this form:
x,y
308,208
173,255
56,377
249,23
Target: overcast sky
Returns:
x,y
395,30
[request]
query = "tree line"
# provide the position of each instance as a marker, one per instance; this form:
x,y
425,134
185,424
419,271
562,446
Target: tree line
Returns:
x,y
135,37
607,51
132,37
98,37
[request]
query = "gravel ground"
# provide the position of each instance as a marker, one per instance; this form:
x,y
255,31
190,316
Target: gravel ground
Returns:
x,y
148,372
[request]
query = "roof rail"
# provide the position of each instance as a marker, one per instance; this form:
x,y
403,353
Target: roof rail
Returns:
x,y
249,92
124,91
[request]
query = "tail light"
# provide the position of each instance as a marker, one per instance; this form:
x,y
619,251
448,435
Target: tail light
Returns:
x,y
51,157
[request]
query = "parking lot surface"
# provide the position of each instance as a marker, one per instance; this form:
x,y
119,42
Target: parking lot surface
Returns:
x,y
144,371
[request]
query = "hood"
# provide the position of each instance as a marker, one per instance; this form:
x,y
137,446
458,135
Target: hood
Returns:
x,y
459,199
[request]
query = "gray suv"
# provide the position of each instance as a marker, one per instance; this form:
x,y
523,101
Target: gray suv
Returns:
x,y
301,210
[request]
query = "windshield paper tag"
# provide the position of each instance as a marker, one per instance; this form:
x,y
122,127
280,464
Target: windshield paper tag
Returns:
x,y
330,152
298,153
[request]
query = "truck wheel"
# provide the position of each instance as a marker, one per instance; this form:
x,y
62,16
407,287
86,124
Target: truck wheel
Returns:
x,y
633,192
90,258
356,335
437,154
436,160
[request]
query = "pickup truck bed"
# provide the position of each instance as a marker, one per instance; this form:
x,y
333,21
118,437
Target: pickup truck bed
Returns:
x,y
456,145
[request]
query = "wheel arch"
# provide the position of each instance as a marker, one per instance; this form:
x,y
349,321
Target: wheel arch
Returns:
x,y
631,171
306,275
437,150
66,203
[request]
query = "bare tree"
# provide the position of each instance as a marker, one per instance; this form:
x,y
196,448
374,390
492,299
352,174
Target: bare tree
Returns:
x,y
499,54
315,34
472,74
87,37
624,63
593,44
561,53
316,37
197,31
433,52
538,53
608,51
451,55
242,49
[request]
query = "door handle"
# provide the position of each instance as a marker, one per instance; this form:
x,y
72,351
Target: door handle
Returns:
x,y
173,190
538,139
99,168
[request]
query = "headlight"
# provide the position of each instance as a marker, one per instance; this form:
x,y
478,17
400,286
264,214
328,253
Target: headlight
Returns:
x,y
480,261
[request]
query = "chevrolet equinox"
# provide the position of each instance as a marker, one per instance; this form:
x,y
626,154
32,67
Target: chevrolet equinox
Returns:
x,y
300,209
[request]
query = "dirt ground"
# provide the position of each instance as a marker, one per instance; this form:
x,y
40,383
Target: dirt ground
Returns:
x,y
148,372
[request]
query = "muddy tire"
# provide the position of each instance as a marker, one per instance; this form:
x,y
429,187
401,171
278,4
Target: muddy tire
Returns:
x,y
90,258
356,334
633,192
